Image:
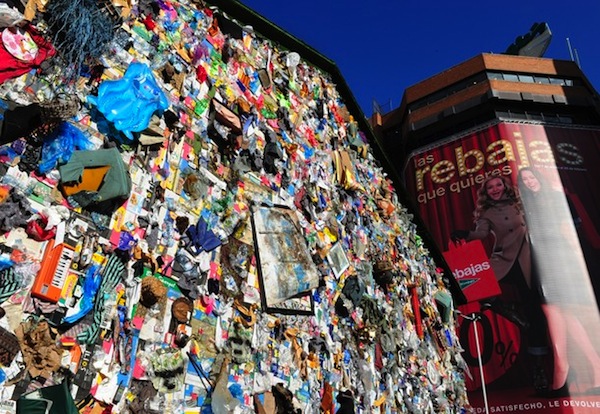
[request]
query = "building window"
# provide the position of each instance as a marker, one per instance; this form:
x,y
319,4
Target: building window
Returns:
x,y
564,82
526,78
494,76
444,93
512,115
542,79
565,119
478,78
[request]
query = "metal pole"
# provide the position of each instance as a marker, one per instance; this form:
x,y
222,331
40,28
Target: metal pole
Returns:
x,y
485,401
570,49
577,58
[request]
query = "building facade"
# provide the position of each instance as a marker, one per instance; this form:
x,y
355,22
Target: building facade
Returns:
x,y
500,153
485,88
195,220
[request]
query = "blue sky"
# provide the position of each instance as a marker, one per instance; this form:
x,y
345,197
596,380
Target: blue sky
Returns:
x,y
382,47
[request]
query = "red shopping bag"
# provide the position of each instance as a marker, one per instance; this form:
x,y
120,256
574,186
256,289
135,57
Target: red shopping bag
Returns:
x,y
472,269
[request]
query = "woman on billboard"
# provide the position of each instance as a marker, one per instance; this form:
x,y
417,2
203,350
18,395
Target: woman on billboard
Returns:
x,y
564,283
499,212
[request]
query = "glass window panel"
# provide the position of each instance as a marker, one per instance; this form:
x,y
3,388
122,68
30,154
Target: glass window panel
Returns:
x,y
535,116
526,78
565,119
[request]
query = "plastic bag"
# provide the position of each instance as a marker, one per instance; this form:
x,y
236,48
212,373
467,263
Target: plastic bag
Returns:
x,y
222,402
60,144
5,261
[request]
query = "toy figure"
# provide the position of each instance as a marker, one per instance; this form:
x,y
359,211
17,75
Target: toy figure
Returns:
x,y
131,101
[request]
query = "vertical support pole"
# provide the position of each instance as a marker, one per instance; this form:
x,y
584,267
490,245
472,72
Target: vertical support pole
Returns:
x,y
485,401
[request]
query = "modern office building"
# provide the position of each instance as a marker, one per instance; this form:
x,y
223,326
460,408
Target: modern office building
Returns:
x,y
503,152
489,87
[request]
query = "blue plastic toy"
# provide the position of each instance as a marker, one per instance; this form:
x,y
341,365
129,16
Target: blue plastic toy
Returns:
x,y
131,101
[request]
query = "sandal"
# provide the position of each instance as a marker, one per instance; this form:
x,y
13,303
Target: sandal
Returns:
x,y
247,315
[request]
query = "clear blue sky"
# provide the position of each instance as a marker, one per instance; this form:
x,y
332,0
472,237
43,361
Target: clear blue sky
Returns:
x,y
382,47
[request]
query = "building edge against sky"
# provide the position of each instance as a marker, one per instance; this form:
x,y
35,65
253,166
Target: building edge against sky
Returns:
x,y
365,313
484,88
238,11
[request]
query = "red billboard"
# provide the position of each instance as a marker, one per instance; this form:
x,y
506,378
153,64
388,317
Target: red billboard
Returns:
x,y
516,209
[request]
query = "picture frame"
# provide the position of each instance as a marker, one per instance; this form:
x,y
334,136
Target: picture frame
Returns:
x,y
337,259
287,273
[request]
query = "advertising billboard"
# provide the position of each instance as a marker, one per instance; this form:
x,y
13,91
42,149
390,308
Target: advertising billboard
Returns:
x,y
516,209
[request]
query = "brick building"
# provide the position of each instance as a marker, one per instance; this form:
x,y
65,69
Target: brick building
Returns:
x,y
485,88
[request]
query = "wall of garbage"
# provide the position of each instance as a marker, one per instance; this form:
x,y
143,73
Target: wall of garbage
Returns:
x,y
193,221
